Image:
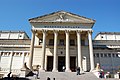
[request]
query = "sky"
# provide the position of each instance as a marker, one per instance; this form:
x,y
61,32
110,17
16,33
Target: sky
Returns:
x,y
14,14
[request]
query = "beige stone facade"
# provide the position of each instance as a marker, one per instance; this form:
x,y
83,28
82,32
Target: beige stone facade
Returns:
x,y
61,39
14,51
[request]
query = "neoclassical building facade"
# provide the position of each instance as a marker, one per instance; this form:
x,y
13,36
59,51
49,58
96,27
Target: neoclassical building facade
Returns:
x,y
61,39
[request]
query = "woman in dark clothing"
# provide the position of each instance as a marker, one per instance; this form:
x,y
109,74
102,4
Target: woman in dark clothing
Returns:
x,y
78,71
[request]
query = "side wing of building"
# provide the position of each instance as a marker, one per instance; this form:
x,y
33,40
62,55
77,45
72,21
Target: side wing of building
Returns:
x,y
14,50
107,50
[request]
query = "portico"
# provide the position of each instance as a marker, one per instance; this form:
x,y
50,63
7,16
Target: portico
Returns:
x,y
64,36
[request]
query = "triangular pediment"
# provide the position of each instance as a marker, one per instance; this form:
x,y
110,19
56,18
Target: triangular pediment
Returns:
x,y
62,16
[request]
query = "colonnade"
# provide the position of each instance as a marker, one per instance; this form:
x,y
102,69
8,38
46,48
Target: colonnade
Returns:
x,y
55,56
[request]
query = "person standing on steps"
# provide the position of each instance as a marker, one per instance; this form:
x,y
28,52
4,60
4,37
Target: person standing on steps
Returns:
x,y
63,68
78,70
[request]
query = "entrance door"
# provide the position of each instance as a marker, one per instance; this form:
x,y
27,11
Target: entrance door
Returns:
x,y
61,63
73,63
49,63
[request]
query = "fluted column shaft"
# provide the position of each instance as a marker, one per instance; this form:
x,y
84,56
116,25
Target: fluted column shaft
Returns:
x,y
67,52
91,50
55,58
32,49
79,49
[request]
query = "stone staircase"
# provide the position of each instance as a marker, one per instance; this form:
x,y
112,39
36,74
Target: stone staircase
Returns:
x,y
68,76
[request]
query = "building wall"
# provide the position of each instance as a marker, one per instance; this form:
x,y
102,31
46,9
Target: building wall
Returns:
x,y
106,50
108,36
61,48
13,61
14,50
13,35
108,59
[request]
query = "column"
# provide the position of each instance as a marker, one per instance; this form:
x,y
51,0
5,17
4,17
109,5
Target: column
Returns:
x,y
79,49
11,59
55,57
0,56
32,49
91,50
67,52
43,51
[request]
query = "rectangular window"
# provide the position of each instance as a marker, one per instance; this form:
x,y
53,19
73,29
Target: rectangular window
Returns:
x,y
82,42
61,43
101,55
109,55
116,55
113,55
97,55
51,42
94,55
72,42
105,55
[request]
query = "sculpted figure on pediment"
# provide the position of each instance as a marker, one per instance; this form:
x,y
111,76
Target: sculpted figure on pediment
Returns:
x,y
61,17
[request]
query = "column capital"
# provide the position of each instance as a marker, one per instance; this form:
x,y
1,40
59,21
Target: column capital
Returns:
x,y
44,30
55,31
79,31
67,31
33,31
90,31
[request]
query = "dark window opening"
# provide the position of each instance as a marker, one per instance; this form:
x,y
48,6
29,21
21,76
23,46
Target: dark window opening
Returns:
x,y
51,42
113,55
101,55
97,55
61,43
105,55
116,55
109,55
72,42
82,42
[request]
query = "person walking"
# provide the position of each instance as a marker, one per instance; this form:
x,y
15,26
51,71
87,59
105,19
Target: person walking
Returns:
x,y
78,71
9,75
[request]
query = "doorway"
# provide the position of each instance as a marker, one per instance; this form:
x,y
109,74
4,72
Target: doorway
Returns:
x,y
73,63
61,63
49,63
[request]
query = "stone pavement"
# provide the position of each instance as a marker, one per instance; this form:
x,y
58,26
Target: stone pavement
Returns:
x,y
68,76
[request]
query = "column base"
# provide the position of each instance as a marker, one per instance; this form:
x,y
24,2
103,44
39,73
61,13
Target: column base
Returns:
x,y
92,70
54,70
68,70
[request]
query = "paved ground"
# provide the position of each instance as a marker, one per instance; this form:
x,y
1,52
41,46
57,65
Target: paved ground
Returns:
x,y
69,76
63,76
